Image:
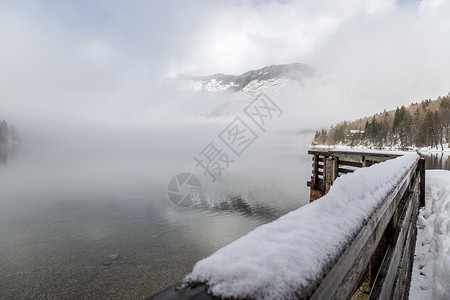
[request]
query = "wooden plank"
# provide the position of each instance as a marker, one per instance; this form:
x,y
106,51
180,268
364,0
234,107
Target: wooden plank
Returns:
x,y
349,157
422,181
361,153
341,280
329,172
320,185
315,169
350,163
384,282
378,158
400,282
320,165
346,270
318,152
345,171
403,280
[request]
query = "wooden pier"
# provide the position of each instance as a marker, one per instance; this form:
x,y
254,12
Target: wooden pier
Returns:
x,y
329,165
381,253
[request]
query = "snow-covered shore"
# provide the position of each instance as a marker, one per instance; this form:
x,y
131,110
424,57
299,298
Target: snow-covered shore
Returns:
x,y
441,149
431,269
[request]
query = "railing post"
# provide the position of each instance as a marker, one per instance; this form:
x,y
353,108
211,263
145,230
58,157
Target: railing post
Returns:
x,y
336,168
422,182
316,171
329,170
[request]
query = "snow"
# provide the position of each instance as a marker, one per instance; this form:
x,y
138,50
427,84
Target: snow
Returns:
x,y
439,149
431,269
370,151
277,259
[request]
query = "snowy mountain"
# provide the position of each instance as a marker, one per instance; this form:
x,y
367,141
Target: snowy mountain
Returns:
x,y
297,88
274,77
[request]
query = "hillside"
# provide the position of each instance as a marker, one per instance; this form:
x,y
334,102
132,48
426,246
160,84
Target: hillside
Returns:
x,y
218,83
424,124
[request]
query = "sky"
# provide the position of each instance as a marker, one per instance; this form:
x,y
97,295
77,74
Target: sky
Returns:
x,y
99,61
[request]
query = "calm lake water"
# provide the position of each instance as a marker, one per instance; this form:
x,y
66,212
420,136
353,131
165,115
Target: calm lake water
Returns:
x,y
95,221
85,221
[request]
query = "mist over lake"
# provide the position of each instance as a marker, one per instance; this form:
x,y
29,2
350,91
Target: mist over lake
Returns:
x,y
94,218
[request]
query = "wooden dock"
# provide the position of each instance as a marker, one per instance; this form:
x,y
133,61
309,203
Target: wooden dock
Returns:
x,y
329,165
382,251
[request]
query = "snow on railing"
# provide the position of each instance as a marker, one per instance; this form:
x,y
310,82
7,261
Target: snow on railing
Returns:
x,y
312,251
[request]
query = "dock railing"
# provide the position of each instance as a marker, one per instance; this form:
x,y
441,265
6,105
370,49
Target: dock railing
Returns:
x,y
382,251
329,165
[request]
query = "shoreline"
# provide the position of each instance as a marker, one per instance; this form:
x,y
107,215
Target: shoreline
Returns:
x,y
422,150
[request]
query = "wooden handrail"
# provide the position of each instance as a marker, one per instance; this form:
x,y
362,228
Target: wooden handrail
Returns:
x,y
384,244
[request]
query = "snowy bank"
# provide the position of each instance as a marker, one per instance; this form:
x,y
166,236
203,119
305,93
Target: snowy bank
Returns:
x,y
397,148
431,270
278,259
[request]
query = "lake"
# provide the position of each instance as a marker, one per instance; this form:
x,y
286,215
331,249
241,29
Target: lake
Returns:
x,y
94,220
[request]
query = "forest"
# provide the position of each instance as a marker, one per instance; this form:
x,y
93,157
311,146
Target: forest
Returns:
x,y
424,124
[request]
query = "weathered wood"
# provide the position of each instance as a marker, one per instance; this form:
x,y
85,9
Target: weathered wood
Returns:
x,y
402,283
360,153
319,165
315,171
321,184
318,152
422,181
377,258
384,282
333,164
393,222
340,282
348,157
315,194
345,171
378,158
350,163
329,171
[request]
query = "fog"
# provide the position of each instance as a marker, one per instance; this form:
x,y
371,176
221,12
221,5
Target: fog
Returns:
x,y
103,132
94,70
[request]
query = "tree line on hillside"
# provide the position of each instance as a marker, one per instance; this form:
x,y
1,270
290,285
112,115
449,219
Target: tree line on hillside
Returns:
x,y
418,125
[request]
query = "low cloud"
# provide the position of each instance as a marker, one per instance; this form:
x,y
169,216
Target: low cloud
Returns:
x,y
99,62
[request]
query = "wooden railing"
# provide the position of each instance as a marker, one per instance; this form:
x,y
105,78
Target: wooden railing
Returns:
x,y
382,251
328,165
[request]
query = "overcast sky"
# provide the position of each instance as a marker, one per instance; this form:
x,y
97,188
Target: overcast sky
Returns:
x,y
100,60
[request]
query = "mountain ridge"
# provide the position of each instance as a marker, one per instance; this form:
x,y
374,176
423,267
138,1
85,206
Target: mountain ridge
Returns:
x,y
220,82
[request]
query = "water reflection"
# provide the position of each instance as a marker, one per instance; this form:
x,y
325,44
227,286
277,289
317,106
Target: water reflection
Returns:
x,y
8,151
436,161
237,204
67,209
